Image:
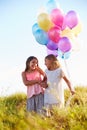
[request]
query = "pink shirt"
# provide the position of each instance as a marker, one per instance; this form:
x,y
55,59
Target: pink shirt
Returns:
x,y
36,88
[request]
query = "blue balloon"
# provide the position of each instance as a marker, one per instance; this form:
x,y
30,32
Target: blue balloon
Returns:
x,y
51,4
41,37
64,55
35,27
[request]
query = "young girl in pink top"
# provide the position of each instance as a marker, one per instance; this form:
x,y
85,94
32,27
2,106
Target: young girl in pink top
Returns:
x,y
32,77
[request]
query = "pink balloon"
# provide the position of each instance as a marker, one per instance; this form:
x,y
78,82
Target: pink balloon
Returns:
x,y
57,17
64,24
71,19
64,44
54,34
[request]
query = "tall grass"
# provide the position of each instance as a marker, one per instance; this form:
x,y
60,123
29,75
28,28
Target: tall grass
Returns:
x,y
13,114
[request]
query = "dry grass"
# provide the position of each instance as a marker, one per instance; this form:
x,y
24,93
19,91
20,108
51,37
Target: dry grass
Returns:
x,y
13,115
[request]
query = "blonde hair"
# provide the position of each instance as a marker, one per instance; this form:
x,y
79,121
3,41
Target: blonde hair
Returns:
x,y
55,63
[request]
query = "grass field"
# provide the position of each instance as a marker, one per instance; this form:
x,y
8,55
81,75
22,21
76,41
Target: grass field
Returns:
x,y
13,114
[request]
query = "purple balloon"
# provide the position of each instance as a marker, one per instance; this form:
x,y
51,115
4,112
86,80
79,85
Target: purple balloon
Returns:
x,y
54,52
51,45
64,44
71,19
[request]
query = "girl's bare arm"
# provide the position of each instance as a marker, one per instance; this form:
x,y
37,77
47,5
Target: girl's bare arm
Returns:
x,y
42,73
68,84
26,82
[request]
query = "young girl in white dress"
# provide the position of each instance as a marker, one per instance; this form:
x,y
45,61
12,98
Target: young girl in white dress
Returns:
x,y
54,94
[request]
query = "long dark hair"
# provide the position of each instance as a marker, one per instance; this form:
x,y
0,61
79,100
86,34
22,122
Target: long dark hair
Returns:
x,y
29,59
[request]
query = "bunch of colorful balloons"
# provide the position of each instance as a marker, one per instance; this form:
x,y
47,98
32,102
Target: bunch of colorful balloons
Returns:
x,y
57,30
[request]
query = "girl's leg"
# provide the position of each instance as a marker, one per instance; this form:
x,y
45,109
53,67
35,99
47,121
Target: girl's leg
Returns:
x,y
39,101
31,104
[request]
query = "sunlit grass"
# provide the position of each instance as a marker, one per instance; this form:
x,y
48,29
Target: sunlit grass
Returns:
x,y
13,114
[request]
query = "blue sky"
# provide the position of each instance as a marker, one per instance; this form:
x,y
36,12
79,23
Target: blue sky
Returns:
x,y
17,42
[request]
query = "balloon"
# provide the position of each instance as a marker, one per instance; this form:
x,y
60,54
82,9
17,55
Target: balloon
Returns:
x,y
77,29
64,55
35,27
67,32
64,44
44,21
70,34
51,45
54,34
71,19
54,52
51,4
64,24
41,37
57,17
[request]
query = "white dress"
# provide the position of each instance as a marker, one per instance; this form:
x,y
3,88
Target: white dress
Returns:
x,y
54,94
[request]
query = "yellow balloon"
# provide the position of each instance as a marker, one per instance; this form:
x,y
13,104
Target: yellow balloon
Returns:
x,y
67,33
77,29
44,21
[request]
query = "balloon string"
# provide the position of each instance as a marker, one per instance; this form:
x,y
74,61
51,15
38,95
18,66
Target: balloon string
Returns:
x,y
67,68
69,99
68,72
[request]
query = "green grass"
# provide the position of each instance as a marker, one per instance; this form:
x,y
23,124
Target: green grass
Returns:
x,y
13,114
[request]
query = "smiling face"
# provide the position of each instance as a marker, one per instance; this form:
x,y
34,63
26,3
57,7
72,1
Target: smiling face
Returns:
x,y
33,64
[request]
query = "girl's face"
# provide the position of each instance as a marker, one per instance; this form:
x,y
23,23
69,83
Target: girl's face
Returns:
x,y
33,64
48,63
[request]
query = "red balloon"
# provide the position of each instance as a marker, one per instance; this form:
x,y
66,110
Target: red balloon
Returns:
x,y
54,34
